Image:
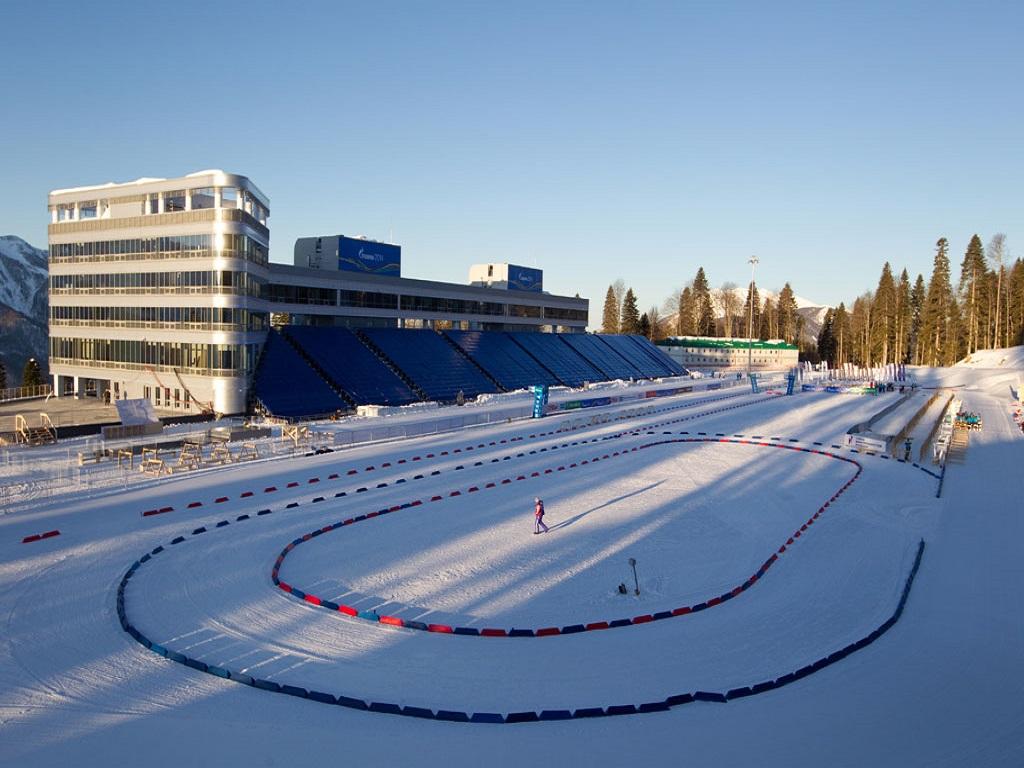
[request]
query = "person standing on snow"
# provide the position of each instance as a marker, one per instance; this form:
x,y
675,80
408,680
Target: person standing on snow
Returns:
x,y
538,516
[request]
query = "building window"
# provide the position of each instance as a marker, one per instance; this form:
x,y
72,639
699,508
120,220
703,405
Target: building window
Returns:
x,y
88,210
174,201
523,310
368,299
202,198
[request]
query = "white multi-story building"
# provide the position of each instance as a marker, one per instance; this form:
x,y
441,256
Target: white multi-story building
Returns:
x,y
154,289
161,289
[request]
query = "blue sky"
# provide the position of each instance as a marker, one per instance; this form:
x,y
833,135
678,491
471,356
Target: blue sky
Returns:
x,y
594,140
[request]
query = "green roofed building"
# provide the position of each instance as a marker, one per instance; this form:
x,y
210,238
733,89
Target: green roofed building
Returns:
x,y
702,353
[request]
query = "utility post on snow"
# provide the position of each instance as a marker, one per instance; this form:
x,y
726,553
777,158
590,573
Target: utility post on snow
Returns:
x,y
636,582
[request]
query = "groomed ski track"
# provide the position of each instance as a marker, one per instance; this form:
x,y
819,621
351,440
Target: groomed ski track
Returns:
x,y
939,688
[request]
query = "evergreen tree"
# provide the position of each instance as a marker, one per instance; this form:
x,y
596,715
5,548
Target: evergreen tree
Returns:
x,y
766,327
752,329
645,326
31,376
827,340
841,334
1015,304
705,312
903,317
972,274
3,375
787,315
883,316
686,317
630,322
860,330
917,299
610,317
997,252
938,316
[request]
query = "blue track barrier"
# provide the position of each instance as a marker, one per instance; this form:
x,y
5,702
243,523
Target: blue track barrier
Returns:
x,y
514,717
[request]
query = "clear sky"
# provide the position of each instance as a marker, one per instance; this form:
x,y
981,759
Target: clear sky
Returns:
x,y
595,140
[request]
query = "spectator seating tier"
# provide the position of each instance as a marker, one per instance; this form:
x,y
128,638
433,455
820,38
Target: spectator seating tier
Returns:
x,y
598,354
434,365
504,360
650,366
659,357
569,366
288,387
351,365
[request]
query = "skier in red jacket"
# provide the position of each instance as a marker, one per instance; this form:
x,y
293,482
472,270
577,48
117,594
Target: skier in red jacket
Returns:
x,y
538,516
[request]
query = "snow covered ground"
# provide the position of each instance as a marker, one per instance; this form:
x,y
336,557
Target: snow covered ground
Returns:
x,y
943,687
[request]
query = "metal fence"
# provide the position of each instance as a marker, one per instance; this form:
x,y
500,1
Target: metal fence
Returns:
x,y
25,393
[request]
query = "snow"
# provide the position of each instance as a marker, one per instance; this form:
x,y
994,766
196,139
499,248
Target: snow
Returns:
x,y
941,688
1013,357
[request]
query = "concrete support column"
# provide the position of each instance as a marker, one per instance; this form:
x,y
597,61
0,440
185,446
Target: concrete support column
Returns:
x,y
160,202
218,197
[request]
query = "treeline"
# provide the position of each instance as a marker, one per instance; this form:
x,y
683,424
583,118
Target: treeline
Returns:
x,y
933,324
691,311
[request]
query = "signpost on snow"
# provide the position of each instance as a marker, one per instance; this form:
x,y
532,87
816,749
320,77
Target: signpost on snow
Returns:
x,y
632,563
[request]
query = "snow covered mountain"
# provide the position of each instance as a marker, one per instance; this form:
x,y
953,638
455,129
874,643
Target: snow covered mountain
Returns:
x,y
23,306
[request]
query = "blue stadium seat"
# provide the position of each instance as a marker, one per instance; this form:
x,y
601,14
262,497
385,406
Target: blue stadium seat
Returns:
x,y
502,358
352,366
288,387
601,356
435,366
559,358
659,357
651,362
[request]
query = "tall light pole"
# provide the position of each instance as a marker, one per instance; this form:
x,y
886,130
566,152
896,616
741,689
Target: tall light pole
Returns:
x,y
753,261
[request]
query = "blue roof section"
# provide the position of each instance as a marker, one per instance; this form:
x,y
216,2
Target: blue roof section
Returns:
x,y
502,358
601,356
352,366
435,366
559,358
288,387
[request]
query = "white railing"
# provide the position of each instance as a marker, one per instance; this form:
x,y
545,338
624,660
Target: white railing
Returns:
x,y
25,393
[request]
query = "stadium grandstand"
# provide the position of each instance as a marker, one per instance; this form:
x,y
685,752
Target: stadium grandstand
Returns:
x,y
315,371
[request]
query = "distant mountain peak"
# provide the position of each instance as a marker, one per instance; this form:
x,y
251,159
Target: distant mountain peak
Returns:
x,y
23,305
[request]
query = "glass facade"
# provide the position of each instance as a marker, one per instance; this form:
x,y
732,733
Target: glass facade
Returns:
x,y
186,318
171,247
368,299
523,310
557,313
204,359
193,282
299,294
451,306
